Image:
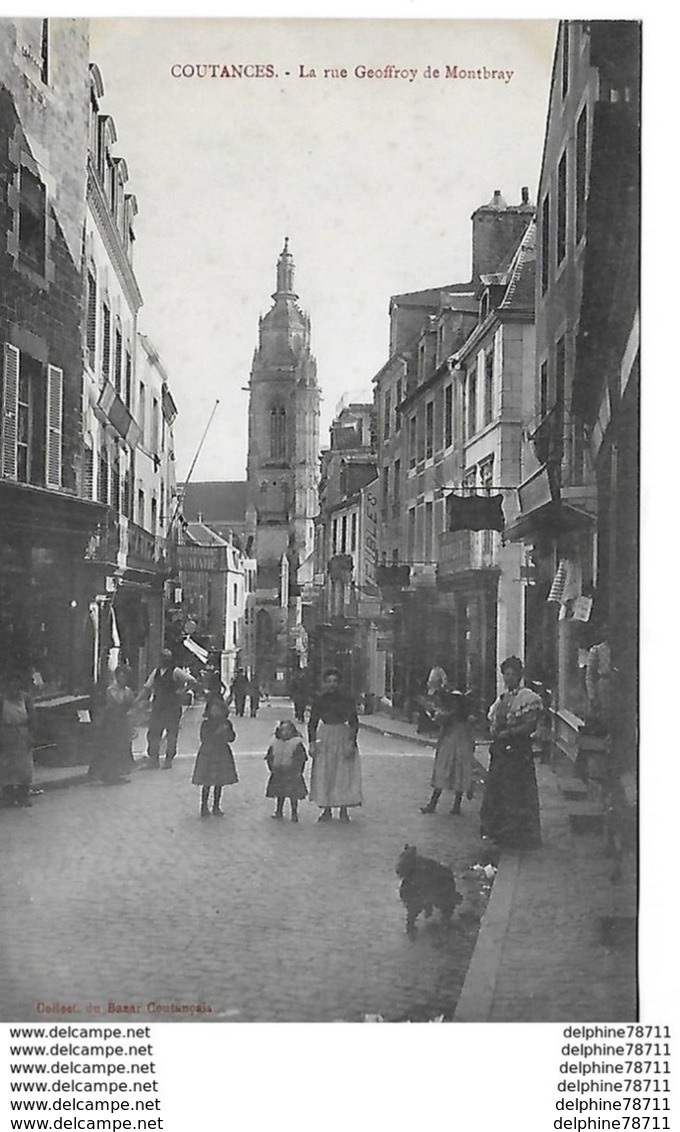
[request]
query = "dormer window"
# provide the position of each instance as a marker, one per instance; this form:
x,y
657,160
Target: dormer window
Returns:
x,y
484,305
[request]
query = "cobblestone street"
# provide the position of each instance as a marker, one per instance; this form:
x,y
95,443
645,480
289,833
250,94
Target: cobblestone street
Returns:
x,y
123,894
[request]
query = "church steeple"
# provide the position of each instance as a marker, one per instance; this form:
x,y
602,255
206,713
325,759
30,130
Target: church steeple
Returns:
x,y
285,272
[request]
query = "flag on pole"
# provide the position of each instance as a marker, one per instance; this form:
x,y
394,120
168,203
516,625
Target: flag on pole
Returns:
x,y
474,513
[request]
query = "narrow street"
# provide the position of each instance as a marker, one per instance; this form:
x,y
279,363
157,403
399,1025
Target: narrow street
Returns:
x,y
123,894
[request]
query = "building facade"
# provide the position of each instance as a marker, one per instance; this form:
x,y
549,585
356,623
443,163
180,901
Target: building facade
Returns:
x,y
579,497
218,582
81,584
46,520
450,407
282,473
128,417
337,617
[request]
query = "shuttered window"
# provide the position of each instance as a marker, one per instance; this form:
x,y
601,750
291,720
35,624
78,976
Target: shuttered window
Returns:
x,y
429,430
115,484
448,416
127,393
118,370
127,495
103,487
91,329
10,411
54,415
488,386
561,234
106,341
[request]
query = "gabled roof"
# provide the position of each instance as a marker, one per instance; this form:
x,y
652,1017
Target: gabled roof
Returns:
x,y
221,501
517,273
432,296
198,534
521,274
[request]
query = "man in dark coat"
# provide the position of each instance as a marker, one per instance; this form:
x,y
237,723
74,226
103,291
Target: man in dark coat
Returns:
x,y
239,691
165,688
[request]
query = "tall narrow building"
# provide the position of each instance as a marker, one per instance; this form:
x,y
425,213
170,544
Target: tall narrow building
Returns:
x,y
282,473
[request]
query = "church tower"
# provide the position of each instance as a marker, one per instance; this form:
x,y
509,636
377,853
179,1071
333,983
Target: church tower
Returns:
x,y
282,471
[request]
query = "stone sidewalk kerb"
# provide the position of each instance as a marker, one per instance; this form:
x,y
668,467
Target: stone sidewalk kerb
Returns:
x,y
540,955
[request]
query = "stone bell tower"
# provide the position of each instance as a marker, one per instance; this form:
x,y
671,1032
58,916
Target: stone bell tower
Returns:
x,y
282,471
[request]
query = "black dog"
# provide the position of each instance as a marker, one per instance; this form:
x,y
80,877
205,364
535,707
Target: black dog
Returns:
x,y
425,884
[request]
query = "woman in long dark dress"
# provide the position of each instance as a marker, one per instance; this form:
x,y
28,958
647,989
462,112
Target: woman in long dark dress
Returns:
x,y
17,718
510,809
113,759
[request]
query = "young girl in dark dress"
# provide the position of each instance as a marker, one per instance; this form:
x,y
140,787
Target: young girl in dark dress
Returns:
x,y
286,759
214,766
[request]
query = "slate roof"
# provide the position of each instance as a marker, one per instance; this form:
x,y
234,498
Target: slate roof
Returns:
x,y
522,274
432,296
217,501
517,273
201,535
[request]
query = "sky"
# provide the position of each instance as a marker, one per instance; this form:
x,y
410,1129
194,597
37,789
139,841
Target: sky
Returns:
x,y
373,179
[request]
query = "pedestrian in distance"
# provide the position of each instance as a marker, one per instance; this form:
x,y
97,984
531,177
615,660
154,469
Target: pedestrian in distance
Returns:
x,y
336,766
213,684
437,680
17,722
510,808
300,694
454,755
286,760
166,688
113,759
254,694
214,767
238,692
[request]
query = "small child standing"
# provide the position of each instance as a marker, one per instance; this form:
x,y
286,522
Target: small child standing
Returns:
x,y
286,759
214,766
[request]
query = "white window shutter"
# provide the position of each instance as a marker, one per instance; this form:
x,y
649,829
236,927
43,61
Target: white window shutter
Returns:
x,y
55,395
10,412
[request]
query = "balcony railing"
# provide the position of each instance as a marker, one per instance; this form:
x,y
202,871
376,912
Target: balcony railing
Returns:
x,y
119,542
144,549
465,550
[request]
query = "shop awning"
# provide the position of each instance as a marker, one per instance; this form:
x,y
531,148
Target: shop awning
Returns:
x,y
553,517
196,649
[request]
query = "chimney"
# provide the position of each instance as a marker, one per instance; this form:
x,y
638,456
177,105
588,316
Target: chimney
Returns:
x,y
497,229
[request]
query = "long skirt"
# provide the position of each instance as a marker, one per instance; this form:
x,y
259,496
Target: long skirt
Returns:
x,y
336,770
113,756
510,810
453,759
16,756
